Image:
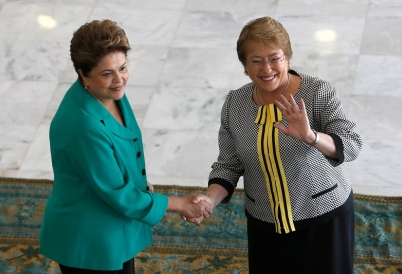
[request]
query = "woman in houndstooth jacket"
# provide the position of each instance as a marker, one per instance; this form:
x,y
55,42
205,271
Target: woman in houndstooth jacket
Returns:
x,y
287,134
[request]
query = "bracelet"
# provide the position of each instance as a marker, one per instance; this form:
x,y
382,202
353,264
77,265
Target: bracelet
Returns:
x,y
317,138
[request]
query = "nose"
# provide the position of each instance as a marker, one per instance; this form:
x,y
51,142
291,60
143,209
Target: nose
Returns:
x,y
266,65
117,77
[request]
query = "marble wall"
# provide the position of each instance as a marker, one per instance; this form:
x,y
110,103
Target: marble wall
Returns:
x,y
183,63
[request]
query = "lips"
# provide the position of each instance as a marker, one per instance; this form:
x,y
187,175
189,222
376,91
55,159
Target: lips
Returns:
x,y
268,78
117,88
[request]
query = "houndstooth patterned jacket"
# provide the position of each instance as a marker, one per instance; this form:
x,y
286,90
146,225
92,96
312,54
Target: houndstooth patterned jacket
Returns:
x,y
315,184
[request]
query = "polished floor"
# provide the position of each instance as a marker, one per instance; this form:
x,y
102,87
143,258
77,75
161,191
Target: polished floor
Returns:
x,y
183,63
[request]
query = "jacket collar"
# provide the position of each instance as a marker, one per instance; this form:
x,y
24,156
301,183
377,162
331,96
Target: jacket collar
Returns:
x,y
92,106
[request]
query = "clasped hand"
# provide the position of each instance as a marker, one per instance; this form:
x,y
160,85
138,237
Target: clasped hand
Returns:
x,y
199,206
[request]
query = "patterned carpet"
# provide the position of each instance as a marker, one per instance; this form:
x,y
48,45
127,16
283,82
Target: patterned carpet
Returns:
x,y
218,245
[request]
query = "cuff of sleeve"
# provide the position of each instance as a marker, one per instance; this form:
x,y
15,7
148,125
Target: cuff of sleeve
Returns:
x,y
339,147
158,210
225,184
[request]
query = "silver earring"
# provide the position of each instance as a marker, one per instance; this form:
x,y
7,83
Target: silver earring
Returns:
x,y
245,72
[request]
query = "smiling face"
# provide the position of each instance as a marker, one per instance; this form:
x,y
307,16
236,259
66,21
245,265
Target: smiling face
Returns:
x,y
107,81
267,67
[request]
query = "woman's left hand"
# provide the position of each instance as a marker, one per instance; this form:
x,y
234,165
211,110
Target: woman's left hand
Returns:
x,y
298,123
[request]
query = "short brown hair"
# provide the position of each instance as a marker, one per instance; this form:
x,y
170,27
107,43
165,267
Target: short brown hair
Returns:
x,y
266,30
93,41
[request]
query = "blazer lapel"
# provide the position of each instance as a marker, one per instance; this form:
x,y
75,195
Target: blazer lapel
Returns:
x,y
91,105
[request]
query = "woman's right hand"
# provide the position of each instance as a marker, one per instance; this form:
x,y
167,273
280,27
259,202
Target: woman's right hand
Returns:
x,y
190,206
199,198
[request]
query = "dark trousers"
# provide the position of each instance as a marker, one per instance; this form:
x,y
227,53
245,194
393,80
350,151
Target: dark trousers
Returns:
x,y
128,268
325,248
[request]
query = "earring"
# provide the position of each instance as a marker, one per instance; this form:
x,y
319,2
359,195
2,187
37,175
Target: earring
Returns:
x,y
245,72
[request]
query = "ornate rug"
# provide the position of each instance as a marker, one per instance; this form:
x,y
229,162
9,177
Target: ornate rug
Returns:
x,y
218,245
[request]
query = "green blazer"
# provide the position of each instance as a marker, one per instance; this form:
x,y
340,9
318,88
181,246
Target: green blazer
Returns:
x,y
99,214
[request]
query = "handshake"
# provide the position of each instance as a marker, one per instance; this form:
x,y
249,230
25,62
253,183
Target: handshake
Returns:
x,y
192,208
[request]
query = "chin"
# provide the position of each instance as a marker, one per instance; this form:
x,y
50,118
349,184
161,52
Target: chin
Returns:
x,y
118,95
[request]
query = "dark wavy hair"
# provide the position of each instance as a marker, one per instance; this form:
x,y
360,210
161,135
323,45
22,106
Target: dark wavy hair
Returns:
x,y
93,41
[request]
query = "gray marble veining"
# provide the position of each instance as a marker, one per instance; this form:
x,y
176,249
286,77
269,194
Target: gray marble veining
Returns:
x,y
182,64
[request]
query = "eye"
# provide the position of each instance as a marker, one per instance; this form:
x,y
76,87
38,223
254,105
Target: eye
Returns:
x,y
256,62
123,69
274,60
106,74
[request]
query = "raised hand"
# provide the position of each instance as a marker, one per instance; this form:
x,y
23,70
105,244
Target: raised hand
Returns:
x,y
296,117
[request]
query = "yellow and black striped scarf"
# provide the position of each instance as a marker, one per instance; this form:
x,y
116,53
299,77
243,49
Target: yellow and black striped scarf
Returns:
x,y
272,167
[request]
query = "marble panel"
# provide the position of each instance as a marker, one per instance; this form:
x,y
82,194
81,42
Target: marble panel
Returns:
x,y
203,68
186,155
378,75
38,155
54,102
338,69
43,21
14,144
378,165
25,102
375,117
346,8
82,2
185,109
139,98
149,4
265,7
145,64
382,36
182,64
68,74
27,174
211,29
32,61
385,8
324,34
142,26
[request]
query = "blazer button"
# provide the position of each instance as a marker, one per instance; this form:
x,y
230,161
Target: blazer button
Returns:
x,y
143,172
138,154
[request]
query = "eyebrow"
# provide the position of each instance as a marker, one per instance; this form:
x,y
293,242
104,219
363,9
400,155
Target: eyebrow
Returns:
x,y
108,70
272,55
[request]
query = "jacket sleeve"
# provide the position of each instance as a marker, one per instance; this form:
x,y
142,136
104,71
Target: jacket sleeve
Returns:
x,y
330,118
228,168
93,157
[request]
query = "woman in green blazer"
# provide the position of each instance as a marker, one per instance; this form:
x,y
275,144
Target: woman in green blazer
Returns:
x,y
101,209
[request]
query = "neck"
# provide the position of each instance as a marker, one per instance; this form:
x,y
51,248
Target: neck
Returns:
x,y
287,85
110,106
